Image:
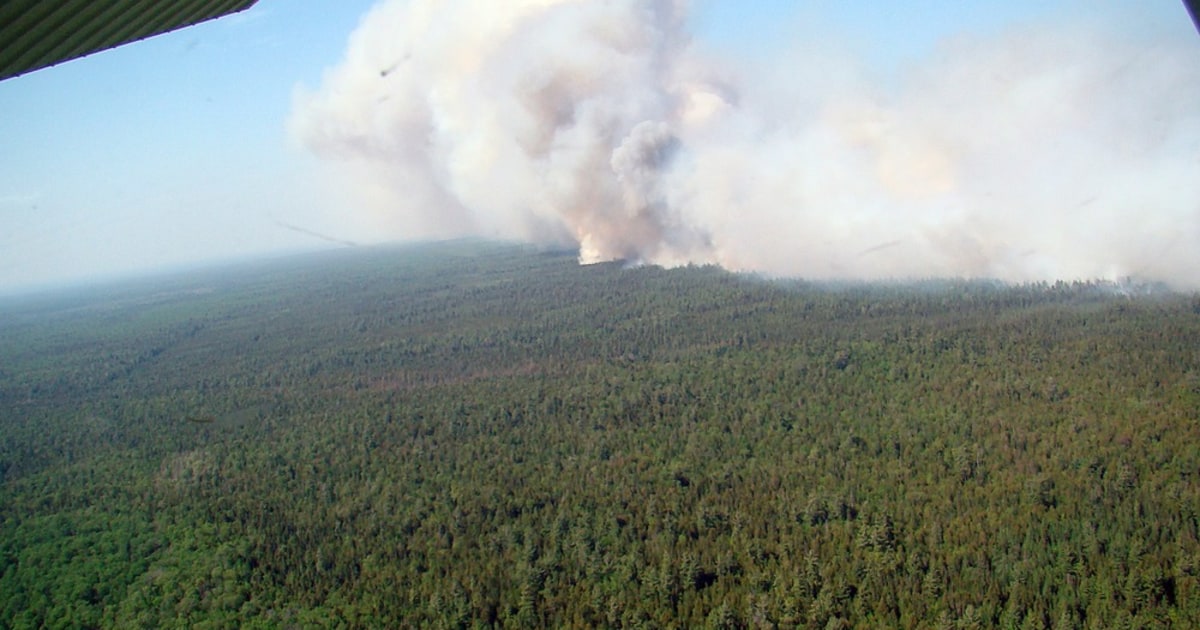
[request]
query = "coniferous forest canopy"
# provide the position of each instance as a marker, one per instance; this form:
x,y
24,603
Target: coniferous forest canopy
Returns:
x,y
472,434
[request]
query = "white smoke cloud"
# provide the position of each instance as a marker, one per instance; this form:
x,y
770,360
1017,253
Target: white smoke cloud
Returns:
x,y
1037,154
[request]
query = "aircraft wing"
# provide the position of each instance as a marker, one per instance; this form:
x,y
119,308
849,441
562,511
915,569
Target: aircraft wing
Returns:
x,y
35,34
1193,7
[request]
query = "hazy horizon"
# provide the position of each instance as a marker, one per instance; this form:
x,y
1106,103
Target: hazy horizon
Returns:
x,y
185,276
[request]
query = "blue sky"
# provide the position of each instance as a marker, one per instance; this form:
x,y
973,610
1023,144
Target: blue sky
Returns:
x,y
891,33
174,151
165,152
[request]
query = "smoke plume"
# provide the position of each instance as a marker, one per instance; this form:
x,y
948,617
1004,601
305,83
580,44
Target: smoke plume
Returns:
x,y
1043,152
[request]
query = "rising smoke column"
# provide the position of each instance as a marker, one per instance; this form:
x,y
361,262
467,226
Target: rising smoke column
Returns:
x,y
1037,154
540,120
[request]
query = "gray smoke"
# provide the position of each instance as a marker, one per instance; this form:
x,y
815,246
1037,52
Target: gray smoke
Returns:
x,y
1044,152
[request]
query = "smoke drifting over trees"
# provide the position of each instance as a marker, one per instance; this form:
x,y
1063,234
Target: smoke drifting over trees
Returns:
x,y
1043,152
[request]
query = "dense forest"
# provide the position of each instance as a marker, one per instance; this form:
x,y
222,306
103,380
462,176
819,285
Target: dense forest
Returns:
x,y
475,435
